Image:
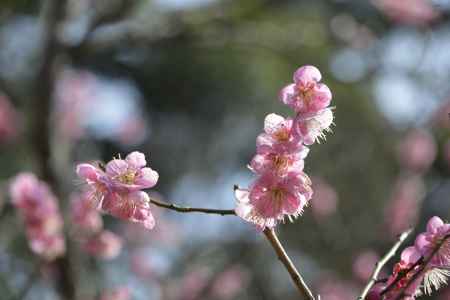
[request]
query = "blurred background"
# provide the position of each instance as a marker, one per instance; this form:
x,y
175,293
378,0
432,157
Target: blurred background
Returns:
x,y
189,82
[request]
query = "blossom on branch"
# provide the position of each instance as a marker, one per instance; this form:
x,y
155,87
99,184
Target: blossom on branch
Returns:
x,y
282,189
423,267
117,188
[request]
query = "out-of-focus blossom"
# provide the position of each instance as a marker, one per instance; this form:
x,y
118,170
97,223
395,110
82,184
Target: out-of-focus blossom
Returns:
x,y
105,245
325,199
193,283
140,265
364,264
335,289
117,189
74,90
119,293
423,267
39,210
84,214
417,150
9,120
408,193
271,198
79,92
414,12
229,283
306,95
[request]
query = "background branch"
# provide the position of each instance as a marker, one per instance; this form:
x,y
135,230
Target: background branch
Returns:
x,y
40,111
380,264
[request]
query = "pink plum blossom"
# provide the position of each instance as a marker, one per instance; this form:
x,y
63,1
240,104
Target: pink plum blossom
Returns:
x,y
306,95
105,245
422,267
131,173
133,206
39,210
417,150
277,136
270,199
278,163
281,188
312,128
117,189
426,242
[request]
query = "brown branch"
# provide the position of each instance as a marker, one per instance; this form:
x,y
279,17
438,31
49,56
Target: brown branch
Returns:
x,y
290,267
40,111
380,264
181,209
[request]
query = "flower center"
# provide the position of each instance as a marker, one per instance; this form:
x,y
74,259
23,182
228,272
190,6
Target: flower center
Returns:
x,y
305,92
128,177
277,195
282,135
281,162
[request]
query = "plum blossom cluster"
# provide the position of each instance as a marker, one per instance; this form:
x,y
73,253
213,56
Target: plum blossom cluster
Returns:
x,y
39,210
117,187
88,224
423,267
281,188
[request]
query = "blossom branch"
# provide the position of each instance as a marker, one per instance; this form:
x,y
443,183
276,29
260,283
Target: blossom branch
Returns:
x,y
181,209
288,264
380,264
423,266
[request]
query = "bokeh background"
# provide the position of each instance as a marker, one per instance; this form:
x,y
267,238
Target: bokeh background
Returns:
x,y
189,82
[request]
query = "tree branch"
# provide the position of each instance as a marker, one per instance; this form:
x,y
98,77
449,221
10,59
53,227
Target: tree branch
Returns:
x,y
40,111
269,233
288,264
181,209
380,264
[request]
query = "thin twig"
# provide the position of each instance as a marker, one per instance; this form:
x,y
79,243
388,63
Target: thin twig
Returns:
x,y
284,258
424,265
181,209
380,264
